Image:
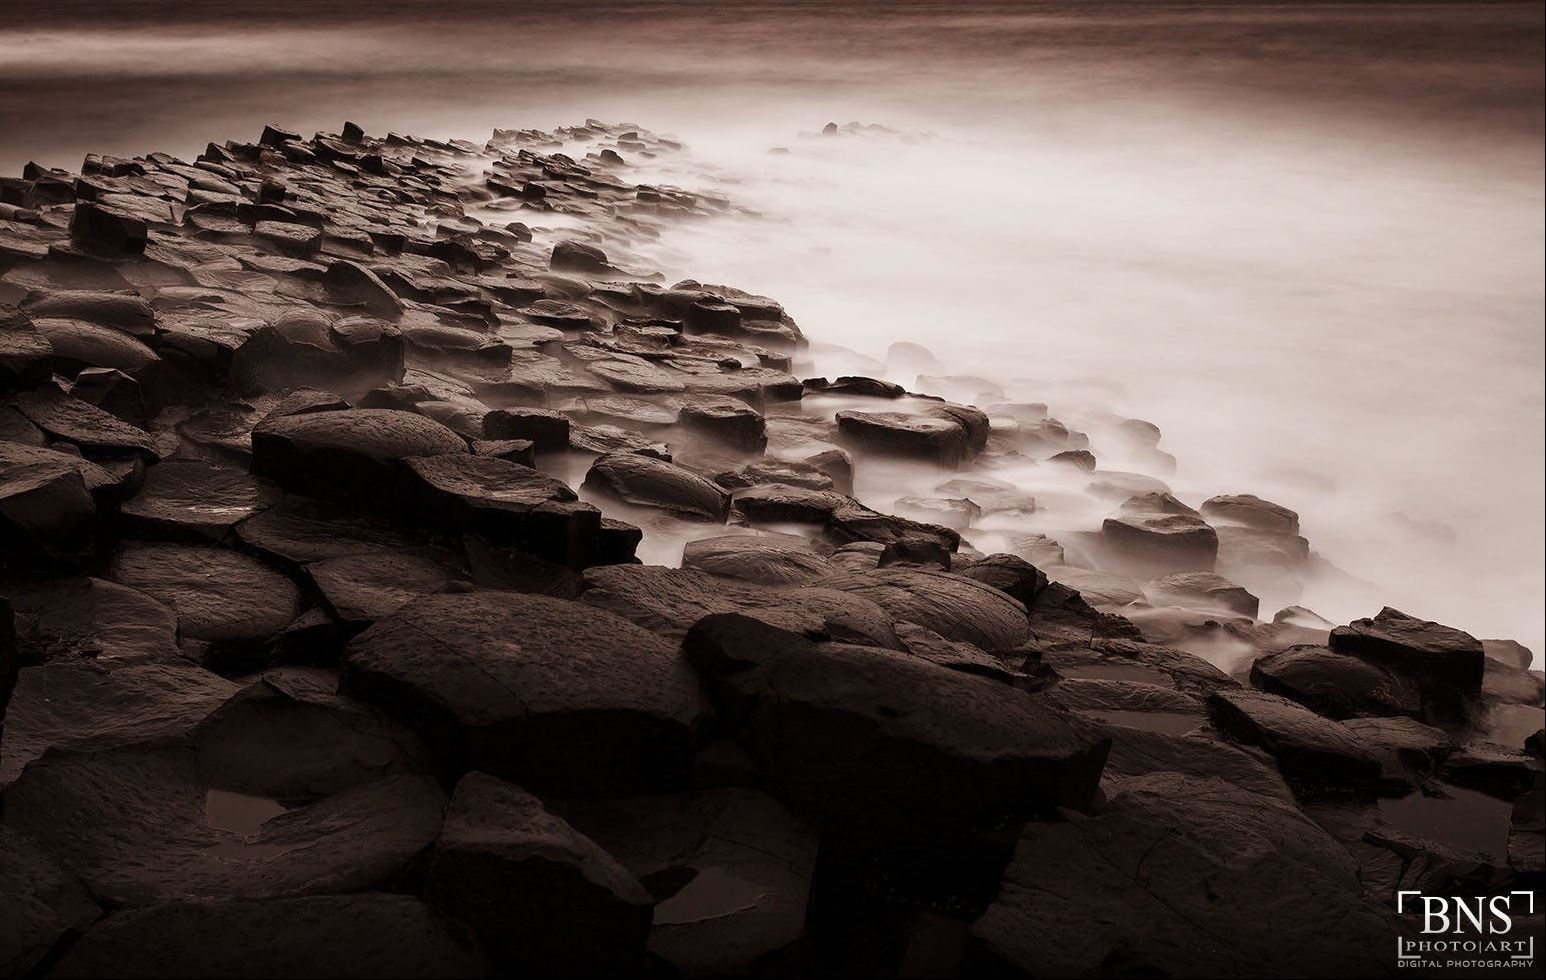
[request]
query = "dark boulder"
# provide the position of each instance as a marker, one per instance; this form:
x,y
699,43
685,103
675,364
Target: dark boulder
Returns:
x,y
24,353
1335,685
726,420
107,230
351,284
1202,590
1446,664
862,737
942,441
47,512
651,482
1010,574
547,430
1156,535
1308,748
546,900
190,498
508,683
43,903
222,597
506,503
772,559
288,735
783,503
371,934
957,607
669,600
578,257
1181,876
1251,511
730,870
356,455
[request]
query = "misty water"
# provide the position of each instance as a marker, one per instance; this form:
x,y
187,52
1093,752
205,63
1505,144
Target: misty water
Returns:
x,y
1303,239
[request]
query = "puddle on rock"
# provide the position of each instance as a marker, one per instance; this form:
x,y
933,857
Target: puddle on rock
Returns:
x,y
1461,818
1166,722
713,893
243,815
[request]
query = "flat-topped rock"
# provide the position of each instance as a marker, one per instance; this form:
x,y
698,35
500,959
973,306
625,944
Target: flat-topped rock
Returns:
x,y
1155,535
191,498
85,705
94,431
127,312
942,441
93,619
78,344
354,454
508,683
220,596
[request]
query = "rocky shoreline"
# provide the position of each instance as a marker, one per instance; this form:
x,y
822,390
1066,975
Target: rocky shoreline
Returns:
x,y
324,649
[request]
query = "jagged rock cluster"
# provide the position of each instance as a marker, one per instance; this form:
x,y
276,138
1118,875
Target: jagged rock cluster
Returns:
x,y
313,660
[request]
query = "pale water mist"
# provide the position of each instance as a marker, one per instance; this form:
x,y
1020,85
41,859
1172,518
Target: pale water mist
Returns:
x,y
1305,240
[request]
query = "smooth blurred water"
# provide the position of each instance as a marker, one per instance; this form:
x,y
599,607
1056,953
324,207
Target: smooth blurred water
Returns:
x,y
1304,239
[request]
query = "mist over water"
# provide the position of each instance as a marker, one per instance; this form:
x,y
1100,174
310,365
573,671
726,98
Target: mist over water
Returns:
x,y
1305,240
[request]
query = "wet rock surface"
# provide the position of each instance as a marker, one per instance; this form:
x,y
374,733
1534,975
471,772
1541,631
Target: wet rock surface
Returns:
x,y
341,478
